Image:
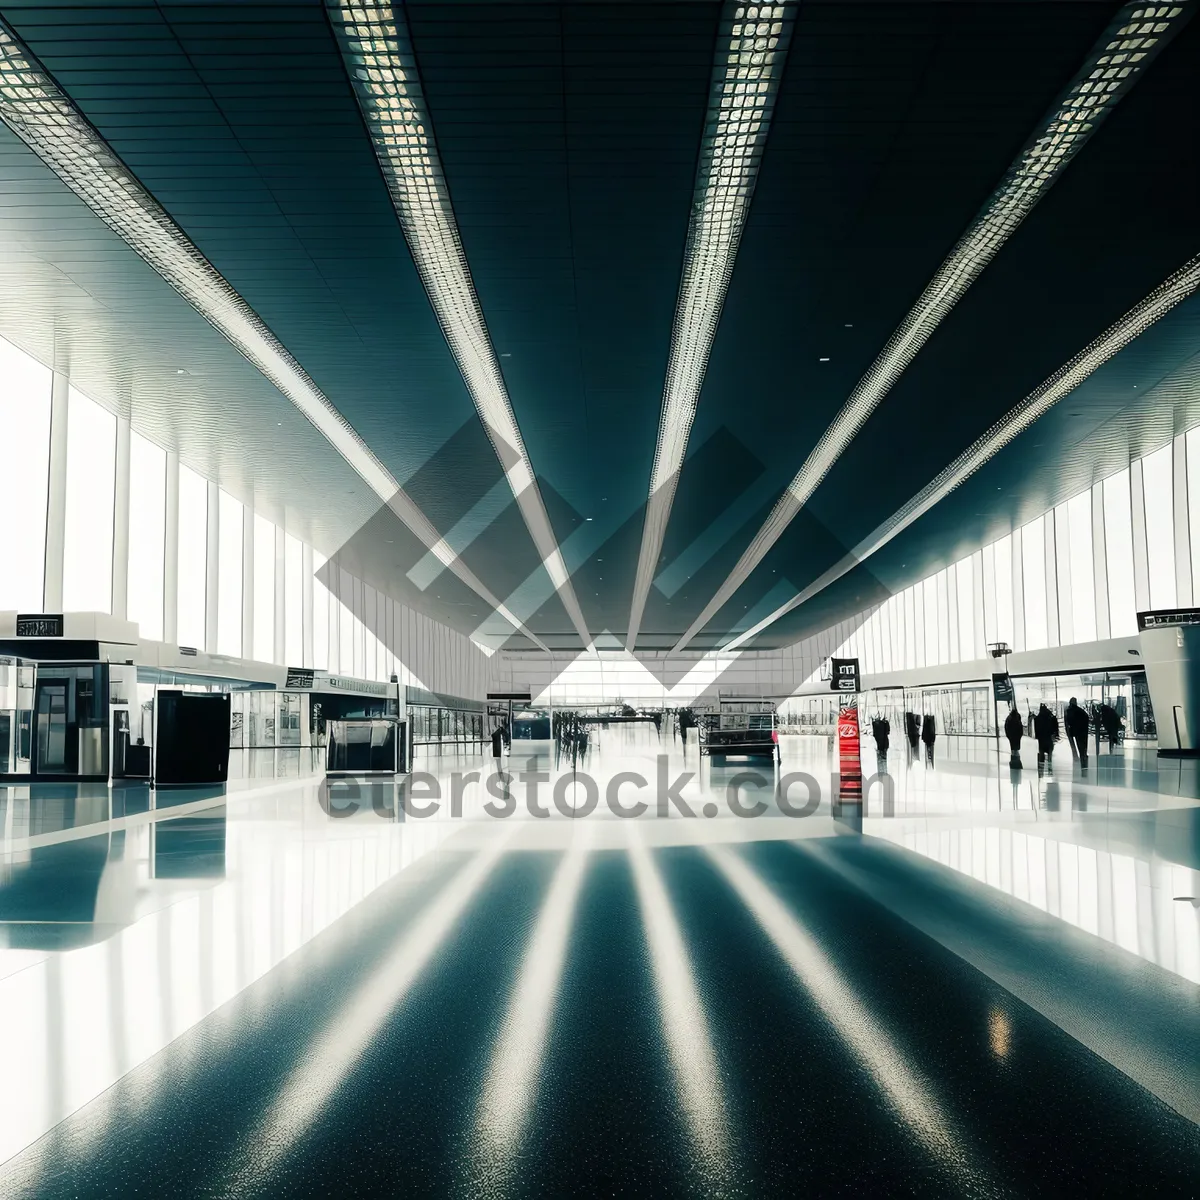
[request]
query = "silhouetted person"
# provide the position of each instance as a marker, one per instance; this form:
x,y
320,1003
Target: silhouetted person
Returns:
x,y
1045,729
1112,725
912,727
881,730
1014,730
929,735
1076,721
1029,729
497,743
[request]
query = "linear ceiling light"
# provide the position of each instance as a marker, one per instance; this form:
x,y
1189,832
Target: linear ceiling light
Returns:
x,y
752,47
1039,402
34,107
377,47
1128,46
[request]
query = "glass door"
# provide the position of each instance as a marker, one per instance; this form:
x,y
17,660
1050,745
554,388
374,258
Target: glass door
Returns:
x,y
50,708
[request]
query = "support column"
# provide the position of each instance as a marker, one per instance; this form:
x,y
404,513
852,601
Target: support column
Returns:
x,y
212,567
280,596
120,560
56,495
247,583
171,553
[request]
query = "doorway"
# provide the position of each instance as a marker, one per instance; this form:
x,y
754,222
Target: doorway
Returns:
x,y
50,738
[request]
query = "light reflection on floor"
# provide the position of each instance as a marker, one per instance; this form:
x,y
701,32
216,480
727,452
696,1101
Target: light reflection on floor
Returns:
x,y
183,910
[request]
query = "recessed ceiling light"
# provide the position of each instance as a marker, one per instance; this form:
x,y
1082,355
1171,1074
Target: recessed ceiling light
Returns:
x,y
377,47
822,360
1072,118
750,54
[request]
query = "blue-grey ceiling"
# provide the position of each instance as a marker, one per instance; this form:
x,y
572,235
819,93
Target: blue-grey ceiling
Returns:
x,y
569,135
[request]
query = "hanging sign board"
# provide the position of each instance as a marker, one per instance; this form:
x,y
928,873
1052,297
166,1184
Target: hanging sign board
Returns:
x,y
843,675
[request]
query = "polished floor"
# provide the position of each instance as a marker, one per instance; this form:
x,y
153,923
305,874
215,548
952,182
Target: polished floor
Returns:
x,y
986,987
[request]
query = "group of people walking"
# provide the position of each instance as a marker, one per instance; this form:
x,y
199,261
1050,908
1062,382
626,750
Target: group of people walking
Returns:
x,y
1044,727
916,730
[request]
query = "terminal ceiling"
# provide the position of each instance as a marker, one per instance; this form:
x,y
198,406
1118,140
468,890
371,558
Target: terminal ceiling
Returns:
x,y
569,136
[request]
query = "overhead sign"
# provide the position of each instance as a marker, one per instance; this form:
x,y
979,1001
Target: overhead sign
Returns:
x,y
843,674
1002,688
521,697
299,677
1168,616
39,625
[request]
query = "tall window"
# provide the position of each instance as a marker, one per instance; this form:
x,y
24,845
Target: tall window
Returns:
x,y
928,589
1005,622
24,470
229,576
1033,562
264,590
964,574
193,556
293,572
1118,539
147,533
88,538
910,630
346,622
1193,495
320,614
1083,584
1160,526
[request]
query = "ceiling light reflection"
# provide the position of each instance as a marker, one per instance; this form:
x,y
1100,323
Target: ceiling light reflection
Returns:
x,y
333,1055
512,1080
684,1022
896,1076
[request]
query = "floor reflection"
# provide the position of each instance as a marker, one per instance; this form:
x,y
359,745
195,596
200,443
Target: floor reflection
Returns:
x,y
126,919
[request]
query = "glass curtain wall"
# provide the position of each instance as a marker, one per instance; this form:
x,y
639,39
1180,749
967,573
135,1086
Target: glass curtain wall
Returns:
x,y
1036,587
355,631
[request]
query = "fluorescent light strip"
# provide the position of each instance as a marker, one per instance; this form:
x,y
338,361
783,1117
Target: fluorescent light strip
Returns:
x,y
1061,384
46,119
512,1080
334,1055
377,47
1128,46
697,1079
749,63
896,1076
